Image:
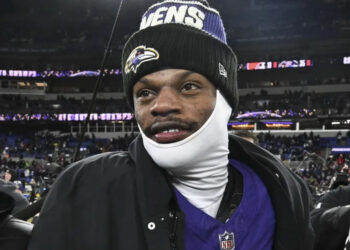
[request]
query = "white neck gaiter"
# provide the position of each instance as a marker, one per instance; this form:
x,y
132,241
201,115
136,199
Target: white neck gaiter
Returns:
x,y
198,163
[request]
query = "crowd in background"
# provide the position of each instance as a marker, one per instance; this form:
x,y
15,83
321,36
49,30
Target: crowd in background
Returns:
x,y
306,154
297,103
288,19
290,148
299,83
79,27
63,27
290,104
21,104
34,161
293,19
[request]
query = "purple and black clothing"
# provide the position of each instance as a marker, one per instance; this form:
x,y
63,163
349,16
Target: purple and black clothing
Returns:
x,y
252,225
125,201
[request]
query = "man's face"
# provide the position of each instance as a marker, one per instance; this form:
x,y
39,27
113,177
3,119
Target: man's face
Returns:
x,y
172,104
8,176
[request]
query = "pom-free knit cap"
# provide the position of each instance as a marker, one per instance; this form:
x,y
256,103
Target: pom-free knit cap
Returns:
x,y
183,35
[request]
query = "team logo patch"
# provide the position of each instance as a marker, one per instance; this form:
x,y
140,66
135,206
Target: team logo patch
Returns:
x,y
227,241
138,56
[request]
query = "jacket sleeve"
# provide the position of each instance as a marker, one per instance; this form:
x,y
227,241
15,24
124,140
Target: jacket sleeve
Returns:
x,y
50,230
58,224
78,203
331,219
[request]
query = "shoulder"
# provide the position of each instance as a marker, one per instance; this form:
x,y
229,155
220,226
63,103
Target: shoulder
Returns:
x,y
9,188
267,164
254,151
102,163
14,233
95,170
337,197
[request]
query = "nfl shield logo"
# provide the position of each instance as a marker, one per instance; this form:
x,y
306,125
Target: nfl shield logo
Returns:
x,y
227,241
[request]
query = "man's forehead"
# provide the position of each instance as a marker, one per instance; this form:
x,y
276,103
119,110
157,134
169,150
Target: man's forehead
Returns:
x,y
168,73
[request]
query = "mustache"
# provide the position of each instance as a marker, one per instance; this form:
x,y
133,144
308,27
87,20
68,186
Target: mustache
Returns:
x,y
160,124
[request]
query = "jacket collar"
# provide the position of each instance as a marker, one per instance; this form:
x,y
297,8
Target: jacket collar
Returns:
x,y
157,203
290,204
150,181
155,196
154,192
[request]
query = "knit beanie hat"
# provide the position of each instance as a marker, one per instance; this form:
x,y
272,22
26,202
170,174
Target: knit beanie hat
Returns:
x,y
182,35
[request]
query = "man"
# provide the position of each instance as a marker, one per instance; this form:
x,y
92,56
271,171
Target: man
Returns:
x,y
183,184
331,220
248,135
14,233
10,189
8,176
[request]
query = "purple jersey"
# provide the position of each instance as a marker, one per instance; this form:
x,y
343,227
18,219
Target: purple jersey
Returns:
x,y
251,226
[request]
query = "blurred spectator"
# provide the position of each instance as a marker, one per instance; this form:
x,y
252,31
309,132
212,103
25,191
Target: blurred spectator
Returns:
x,y
33,162
331,219
340,160
10,189
46,155
249,136
297,104
14,233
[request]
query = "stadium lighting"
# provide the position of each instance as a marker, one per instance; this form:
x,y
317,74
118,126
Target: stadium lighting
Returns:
x,y
340,150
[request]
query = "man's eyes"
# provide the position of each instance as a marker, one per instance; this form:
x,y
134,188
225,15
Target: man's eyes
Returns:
x,y
189,86
144,93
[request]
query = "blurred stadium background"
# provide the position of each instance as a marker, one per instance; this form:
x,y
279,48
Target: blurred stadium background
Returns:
x,y
294,81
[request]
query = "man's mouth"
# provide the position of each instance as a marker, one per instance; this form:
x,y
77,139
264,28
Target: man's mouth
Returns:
x,y
168,132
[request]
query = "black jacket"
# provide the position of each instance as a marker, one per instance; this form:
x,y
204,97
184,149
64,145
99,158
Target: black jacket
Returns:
x,y
14,233
331,219
113,200
10,188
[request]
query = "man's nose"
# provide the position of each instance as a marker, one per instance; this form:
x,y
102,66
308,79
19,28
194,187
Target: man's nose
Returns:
x,y
167,102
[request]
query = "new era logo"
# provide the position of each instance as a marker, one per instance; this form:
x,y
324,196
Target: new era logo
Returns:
x,y
222,70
